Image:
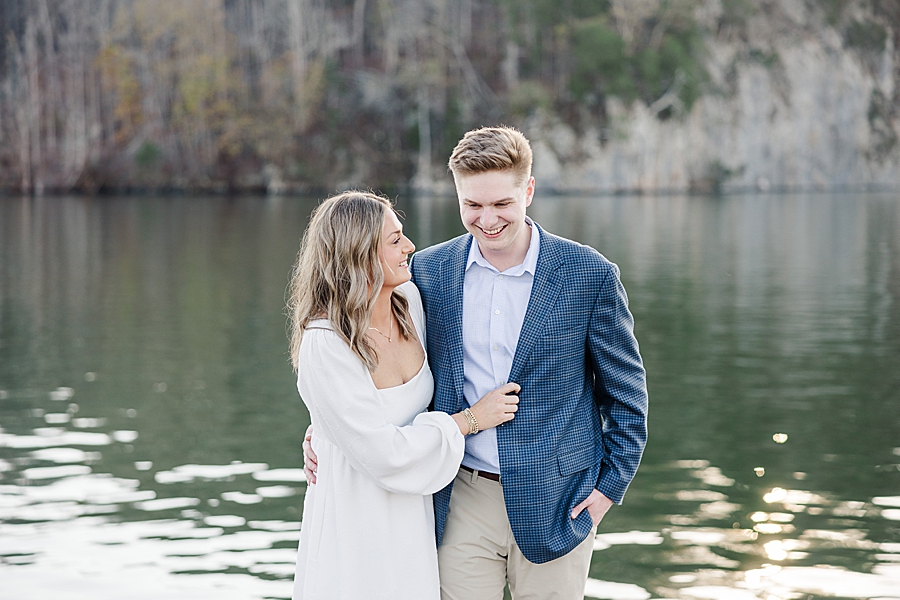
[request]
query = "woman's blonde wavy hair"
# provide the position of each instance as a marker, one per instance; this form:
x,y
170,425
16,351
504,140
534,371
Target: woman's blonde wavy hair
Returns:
x,y
338,273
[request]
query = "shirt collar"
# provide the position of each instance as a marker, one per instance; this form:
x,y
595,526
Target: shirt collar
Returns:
x,y
529,265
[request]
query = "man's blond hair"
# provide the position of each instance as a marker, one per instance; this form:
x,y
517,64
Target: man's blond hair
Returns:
x,y
492,149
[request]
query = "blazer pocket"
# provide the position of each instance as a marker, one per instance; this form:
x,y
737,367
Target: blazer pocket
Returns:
x,y
559,330
576,460
567,333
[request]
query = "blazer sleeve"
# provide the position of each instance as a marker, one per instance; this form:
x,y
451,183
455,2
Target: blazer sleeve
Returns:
x,y
420,458
620,387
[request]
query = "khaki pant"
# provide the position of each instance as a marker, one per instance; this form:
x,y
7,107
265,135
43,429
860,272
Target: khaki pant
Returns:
x,y
478,553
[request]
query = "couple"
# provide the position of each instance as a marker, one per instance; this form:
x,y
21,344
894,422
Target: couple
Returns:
x,y
521,343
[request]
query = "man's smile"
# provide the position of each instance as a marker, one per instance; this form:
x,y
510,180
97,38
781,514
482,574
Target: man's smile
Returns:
x,y
493,232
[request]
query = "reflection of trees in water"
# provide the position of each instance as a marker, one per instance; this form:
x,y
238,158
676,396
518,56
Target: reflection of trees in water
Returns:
x,y
756,316
763,315
175,304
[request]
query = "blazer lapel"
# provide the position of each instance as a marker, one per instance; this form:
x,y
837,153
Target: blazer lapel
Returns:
x,y
453,272
544,291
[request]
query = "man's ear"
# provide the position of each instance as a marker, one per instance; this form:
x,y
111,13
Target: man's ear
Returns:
x,y
529,191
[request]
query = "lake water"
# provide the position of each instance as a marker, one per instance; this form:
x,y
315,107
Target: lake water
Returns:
x,y
150,426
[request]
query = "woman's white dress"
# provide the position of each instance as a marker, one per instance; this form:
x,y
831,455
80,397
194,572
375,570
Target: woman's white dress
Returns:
x,y
368,522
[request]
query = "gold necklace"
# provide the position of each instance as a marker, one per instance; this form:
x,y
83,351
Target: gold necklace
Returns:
x,y
387,337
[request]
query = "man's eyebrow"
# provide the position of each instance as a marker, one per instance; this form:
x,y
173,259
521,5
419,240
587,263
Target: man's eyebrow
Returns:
x,y
497,201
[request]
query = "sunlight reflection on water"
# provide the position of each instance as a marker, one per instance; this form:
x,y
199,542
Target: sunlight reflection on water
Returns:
x,y
51,538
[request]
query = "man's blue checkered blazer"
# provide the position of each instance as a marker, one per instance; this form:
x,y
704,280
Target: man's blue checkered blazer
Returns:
x,y
582,418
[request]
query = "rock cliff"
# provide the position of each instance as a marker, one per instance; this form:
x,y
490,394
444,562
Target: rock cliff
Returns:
x,y
794,102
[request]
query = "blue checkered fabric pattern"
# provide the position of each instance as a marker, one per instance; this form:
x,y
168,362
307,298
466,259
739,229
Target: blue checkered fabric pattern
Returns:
x,y
582,418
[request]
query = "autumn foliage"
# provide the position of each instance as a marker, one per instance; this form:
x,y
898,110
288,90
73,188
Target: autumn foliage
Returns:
x,y
294,95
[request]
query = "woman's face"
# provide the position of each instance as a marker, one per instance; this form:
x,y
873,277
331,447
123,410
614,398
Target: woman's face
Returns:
x,y
395,251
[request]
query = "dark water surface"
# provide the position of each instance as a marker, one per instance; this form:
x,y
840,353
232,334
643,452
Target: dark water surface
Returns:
x,y
150,426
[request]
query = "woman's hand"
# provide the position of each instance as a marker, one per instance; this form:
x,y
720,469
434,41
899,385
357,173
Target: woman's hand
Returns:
x,y
495,407
310,460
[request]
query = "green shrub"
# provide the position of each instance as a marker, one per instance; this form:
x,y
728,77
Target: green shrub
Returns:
x,y
147,155
601,65
834,9
527,96
866,36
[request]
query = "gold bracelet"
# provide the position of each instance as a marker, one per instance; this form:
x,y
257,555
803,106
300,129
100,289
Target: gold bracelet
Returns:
x,y
471,420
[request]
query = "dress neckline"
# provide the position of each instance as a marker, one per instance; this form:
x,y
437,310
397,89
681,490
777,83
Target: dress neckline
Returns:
x,y
409,381
393,387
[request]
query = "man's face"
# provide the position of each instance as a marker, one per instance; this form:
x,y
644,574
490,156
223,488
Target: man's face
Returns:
x,y
492,208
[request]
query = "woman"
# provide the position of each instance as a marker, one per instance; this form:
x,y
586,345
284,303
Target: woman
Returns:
x,y
357,344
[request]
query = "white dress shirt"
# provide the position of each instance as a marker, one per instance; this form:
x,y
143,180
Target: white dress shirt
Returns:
x,y
494,306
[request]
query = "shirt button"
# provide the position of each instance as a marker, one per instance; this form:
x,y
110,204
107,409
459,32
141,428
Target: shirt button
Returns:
x,y
497,312
496,347
499,276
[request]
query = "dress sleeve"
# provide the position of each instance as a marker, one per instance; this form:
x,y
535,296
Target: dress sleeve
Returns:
x,y
420,458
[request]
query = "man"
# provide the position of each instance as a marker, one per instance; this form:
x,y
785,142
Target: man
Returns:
x,y
510,302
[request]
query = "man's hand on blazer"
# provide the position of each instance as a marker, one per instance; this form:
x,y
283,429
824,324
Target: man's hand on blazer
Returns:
x,y
596,504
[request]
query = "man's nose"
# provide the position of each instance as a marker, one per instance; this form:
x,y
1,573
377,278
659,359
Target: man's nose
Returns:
x,y
488,218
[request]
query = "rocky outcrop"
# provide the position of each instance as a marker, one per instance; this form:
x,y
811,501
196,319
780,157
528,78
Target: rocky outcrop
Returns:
x,y
794,103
